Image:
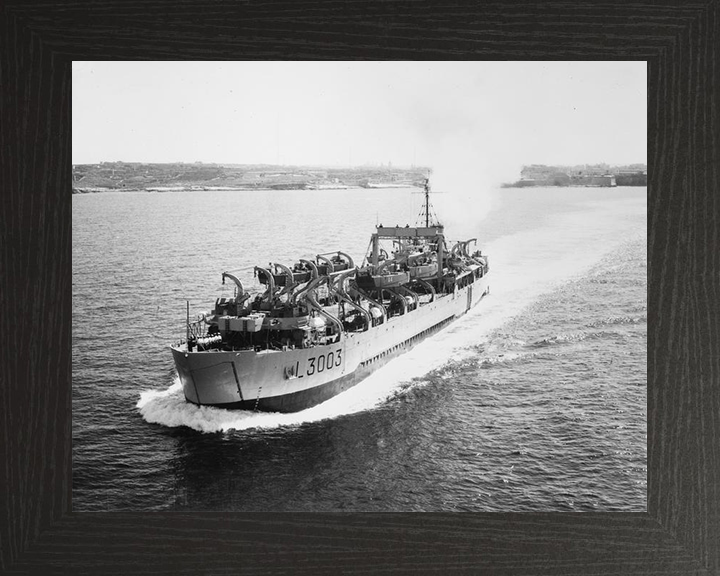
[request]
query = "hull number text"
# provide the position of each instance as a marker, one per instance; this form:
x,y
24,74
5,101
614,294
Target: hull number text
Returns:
x,y
315,365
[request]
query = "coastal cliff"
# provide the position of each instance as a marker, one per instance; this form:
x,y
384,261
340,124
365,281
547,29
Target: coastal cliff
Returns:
x,y
602,175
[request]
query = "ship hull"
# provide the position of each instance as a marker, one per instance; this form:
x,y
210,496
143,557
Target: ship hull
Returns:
x,y
295,379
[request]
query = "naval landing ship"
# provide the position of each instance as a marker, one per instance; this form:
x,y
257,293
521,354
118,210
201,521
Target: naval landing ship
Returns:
x,y
323,324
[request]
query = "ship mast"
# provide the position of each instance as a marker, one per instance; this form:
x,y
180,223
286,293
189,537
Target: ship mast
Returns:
x,y
426,208
427,202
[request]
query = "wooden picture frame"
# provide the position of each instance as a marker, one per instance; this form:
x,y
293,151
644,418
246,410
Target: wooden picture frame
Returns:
x,y
680,532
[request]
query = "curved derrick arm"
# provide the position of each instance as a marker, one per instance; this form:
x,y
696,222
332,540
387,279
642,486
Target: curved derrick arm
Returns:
x,y
461,248
429,287
327,261
313,267
340,292
465,246
309,297
410,293
242,296
384,264
355,292
270,292
235,279
397,297
289,281
318,281
347,257
338,282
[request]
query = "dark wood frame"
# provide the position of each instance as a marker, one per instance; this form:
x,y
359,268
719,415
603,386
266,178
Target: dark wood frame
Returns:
x,y
681,530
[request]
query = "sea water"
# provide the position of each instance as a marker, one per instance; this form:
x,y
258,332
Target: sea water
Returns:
x,y
533,401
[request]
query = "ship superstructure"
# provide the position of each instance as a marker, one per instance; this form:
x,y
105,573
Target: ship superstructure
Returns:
x,y
323,324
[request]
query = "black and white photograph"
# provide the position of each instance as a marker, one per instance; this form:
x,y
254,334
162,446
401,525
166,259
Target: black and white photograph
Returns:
x,y
359,286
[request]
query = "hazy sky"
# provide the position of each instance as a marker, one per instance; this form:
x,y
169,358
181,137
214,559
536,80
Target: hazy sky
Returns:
x,y
493,116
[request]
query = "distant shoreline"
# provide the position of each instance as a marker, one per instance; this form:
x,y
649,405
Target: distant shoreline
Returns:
x,y
597,175
163,190
544,185
180,177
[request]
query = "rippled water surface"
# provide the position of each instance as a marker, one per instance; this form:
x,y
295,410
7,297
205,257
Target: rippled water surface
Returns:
x,y
535,400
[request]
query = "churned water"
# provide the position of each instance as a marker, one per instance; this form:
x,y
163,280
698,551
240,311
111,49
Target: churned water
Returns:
x,y
534,401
